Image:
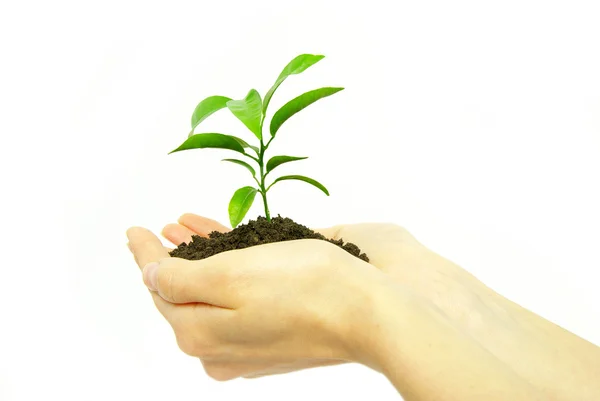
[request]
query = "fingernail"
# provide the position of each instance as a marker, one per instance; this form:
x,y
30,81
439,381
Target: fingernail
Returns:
x,y
150,274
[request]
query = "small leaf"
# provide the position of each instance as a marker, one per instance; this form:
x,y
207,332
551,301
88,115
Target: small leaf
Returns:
x,y
297,104
278,160
241,163
245,144
302,178
240,204
296,66
249,111
207,107
218,141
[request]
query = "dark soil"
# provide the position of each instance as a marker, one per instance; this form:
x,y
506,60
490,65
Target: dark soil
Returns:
x,y
256,232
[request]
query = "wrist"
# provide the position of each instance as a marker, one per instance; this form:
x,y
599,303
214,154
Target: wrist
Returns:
x,y
377,319
418,349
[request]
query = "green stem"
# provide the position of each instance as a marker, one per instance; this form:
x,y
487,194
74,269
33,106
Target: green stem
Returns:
x,y
262,180
268,143
267,214
251,157
263,175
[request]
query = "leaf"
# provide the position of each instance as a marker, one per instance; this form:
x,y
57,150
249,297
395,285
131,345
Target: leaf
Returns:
x,y
249,111
301,178
240,204
245,144
297,104
241,163
296,66
207,107
278,160
218,141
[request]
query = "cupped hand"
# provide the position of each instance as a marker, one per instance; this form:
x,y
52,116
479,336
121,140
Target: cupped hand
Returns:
x,y
515,336
261,310
392,249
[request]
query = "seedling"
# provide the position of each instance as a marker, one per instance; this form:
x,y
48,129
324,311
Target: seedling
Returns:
x,y
252,111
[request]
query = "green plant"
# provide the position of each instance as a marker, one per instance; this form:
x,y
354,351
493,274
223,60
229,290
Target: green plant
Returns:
x,y
251,111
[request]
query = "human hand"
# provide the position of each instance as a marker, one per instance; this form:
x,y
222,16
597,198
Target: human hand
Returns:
x,y
262,309
310,300
466,301
502,327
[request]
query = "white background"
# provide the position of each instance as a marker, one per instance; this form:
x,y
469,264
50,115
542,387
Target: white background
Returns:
x,y
474,124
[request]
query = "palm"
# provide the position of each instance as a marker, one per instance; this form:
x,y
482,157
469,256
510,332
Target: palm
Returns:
x,y
390,248
190,224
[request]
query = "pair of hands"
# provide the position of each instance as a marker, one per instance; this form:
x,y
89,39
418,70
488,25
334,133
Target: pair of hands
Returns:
x,y
294,305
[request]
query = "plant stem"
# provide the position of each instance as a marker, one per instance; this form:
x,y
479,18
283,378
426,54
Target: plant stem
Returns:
x,y
261,163
263,191
264,196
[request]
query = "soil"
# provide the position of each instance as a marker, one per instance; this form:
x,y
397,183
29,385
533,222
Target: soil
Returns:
x,y
256,232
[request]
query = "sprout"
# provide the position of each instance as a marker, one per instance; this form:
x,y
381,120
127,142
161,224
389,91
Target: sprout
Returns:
x,y
251,111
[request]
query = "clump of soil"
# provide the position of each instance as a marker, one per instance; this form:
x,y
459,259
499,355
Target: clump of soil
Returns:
x,y
256,232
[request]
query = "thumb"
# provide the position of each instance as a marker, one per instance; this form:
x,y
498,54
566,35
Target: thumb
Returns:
x,y
181,281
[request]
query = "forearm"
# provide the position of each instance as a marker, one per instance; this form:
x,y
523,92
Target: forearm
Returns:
x,y
563,365
427,358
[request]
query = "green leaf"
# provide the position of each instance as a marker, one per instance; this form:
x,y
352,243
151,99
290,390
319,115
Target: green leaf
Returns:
x,y
278,160
245,144
249,111
218,141
240,204
296,66
297,104
207,107
301,178
241,163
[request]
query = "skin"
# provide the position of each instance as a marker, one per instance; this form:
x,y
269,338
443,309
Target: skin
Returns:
x,y
409,313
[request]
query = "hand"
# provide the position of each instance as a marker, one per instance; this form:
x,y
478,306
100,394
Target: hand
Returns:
x,y
247,312
242,310
465,300
526,343
392,249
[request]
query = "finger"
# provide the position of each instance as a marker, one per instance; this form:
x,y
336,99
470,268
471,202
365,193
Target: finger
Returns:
x,y
329,233
223,371
178,234
181,281
166,248
147,248
201,225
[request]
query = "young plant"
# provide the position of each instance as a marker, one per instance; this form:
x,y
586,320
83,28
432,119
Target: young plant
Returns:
x,y
251,111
